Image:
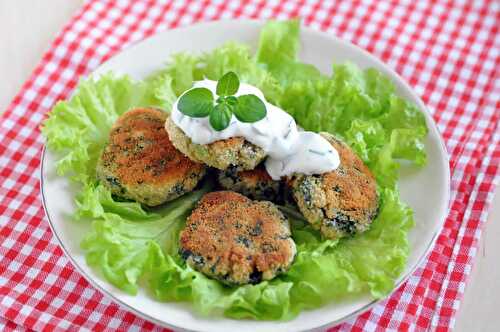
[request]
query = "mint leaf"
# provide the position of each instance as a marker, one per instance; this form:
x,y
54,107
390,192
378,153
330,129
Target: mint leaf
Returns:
x,y
228,84
220,116
231,100
196,103
250,109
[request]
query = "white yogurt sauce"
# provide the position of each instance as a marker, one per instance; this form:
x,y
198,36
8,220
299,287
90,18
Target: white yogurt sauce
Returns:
x,y
289,151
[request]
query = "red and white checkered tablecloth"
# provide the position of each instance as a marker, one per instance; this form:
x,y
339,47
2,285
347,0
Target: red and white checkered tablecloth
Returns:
x,y
447,50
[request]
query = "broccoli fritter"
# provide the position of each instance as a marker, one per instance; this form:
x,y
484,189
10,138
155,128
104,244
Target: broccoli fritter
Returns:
x,y
338,203
255,184
140,163
233,152
236,240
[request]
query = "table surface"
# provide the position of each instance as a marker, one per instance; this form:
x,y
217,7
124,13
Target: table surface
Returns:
x,y
26,30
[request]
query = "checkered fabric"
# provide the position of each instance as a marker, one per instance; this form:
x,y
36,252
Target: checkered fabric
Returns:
x,y
447,50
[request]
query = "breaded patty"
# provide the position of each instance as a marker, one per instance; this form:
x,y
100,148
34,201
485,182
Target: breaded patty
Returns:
x,y
236,240
140,163
255,184
338,203
232,152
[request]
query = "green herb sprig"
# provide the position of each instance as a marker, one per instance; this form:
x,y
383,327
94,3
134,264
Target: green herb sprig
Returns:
x,y
199,103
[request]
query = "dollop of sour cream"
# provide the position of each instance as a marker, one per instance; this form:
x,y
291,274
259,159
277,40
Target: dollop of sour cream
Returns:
x,y
288,150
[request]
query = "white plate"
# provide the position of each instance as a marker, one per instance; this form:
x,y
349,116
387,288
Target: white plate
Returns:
x,y
425,190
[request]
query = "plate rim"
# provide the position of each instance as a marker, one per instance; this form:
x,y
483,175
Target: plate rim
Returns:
x,y
256,22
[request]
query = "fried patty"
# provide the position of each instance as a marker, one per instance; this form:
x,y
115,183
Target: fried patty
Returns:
x,y
236,240
255,184
232,152
140,163
342,202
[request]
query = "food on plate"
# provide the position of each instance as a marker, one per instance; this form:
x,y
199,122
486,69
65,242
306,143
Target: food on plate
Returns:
x,y
223,154
212,112
240,112
342,202
236,240
140,163
255,184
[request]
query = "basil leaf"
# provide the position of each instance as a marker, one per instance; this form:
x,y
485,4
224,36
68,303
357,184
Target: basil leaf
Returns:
x,y
196,103
228,84
250,109
220,117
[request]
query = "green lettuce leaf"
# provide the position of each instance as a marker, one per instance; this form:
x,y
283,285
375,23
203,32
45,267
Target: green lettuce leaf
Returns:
x,y
134,246
361,106
278,49
125,249
78,128
185,68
